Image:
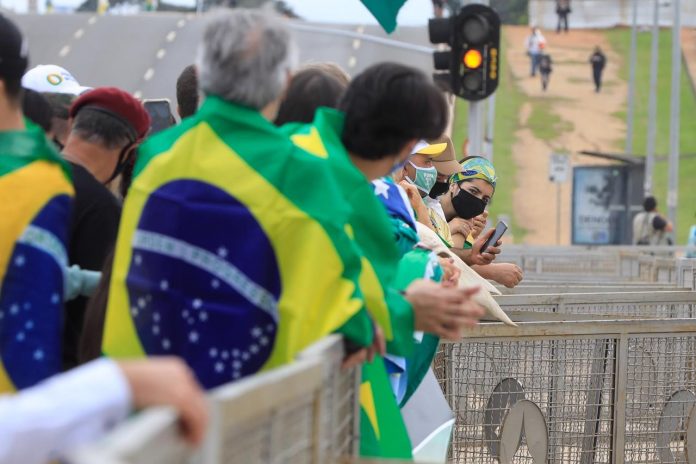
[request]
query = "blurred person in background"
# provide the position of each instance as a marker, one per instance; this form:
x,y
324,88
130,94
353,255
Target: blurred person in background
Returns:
x,y
187,93
38,110
545,70
309,89
535,44
650,227
563,9
60,123
598,61
108,124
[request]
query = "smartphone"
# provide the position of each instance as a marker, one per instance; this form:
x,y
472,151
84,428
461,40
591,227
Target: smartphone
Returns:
x,y
160,114
500,230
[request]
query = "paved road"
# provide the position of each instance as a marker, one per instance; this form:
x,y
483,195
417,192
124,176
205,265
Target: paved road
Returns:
x,y
145,53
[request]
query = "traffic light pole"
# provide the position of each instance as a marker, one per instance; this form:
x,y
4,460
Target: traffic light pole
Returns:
x,y
674,127
475,129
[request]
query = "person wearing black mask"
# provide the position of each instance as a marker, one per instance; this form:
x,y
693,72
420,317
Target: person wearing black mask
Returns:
x,y
471,190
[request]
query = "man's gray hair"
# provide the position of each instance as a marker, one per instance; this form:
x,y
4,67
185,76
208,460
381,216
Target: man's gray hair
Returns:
x,y
245,57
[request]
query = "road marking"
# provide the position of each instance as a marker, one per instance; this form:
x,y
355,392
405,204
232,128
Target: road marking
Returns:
x,y
92,20
79,33
171,36
138,94
351,62
64,51
360,30
181,23
160,53
148,74
356,44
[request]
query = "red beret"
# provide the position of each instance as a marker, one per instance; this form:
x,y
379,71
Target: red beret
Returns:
x,y
119,104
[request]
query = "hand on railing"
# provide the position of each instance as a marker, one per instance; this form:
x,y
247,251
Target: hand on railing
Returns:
x,y
167,381
443,311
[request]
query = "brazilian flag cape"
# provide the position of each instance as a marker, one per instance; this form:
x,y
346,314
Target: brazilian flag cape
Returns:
x,y
36,192
383,433
232,250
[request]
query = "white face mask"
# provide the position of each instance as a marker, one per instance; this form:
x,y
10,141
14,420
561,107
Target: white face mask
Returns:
x,y
425,178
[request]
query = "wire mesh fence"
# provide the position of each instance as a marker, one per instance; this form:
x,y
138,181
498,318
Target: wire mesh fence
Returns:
x,y
577,392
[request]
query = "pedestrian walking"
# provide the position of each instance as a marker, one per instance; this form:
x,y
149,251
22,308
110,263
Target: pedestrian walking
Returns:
x,y
545,69
535,46
598,60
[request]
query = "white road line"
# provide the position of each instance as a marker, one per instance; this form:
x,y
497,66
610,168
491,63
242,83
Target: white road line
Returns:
x,y
352,61
360,30
148,74
171,36
160,53
79,33
92,20
181,23
64,51
138,94
356,44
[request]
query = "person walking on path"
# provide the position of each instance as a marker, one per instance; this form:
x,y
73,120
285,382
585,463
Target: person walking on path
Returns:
x,y
562,10
545,69
598,60
535,46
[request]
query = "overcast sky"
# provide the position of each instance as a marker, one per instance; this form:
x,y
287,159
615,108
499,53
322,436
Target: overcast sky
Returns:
x,y
414,12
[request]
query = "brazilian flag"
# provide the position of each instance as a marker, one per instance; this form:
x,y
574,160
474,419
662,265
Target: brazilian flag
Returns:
x,y
370,226
385,11
37,197
232,250
382,430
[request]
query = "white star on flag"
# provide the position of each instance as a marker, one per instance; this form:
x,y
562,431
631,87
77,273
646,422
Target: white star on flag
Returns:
x,y
381,188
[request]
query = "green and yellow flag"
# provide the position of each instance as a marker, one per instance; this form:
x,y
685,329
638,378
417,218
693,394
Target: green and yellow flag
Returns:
x,y
37,198
385,11
232,251
382,430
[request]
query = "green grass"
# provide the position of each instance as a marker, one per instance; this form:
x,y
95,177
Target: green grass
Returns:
x,y
509,101
544,123
620,40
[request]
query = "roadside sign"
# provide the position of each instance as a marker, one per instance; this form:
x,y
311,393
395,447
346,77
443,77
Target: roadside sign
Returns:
x,y
559,167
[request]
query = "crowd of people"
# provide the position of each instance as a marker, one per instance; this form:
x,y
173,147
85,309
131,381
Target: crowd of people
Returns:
x,y
290,203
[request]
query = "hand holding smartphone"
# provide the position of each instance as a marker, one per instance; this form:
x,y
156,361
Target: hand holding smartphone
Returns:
x,y
500,230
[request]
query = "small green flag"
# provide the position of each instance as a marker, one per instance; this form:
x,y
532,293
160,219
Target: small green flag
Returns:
x,y
383,433
385,11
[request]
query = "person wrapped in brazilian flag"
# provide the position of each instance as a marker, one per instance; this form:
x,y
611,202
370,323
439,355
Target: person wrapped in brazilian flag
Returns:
x,y
233,250
383,112
37,195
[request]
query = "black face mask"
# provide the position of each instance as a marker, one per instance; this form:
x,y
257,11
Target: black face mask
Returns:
x,y
466,205
440,188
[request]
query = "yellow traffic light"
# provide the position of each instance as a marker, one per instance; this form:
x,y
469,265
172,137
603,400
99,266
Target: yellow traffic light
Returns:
x,y
472,59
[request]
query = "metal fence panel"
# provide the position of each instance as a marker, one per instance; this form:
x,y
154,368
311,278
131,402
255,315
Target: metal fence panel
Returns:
x,y
577,392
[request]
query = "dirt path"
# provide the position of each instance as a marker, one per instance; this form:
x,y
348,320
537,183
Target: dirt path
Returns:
x,y
572,97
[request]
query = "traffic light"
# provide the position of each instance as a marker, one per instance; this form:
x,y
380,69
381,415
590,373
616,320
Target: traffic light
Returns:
x,y
471,64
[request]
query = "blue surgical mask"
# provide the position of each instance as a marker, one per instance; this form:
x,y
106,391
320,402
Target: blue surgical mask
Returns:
x,y
425,178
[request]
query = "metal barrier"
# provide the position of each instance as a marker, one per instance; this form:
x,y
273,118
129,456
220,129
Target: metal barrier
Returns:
x,y
305,412
576,392
651,304
548,288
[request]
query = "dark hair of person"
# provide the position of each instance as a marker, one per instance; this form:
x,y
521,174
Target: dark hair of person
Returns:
x,y
187,92
95,315
13,89
649,204
388,105
127,175
98,127
37,109
309,90
60,103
